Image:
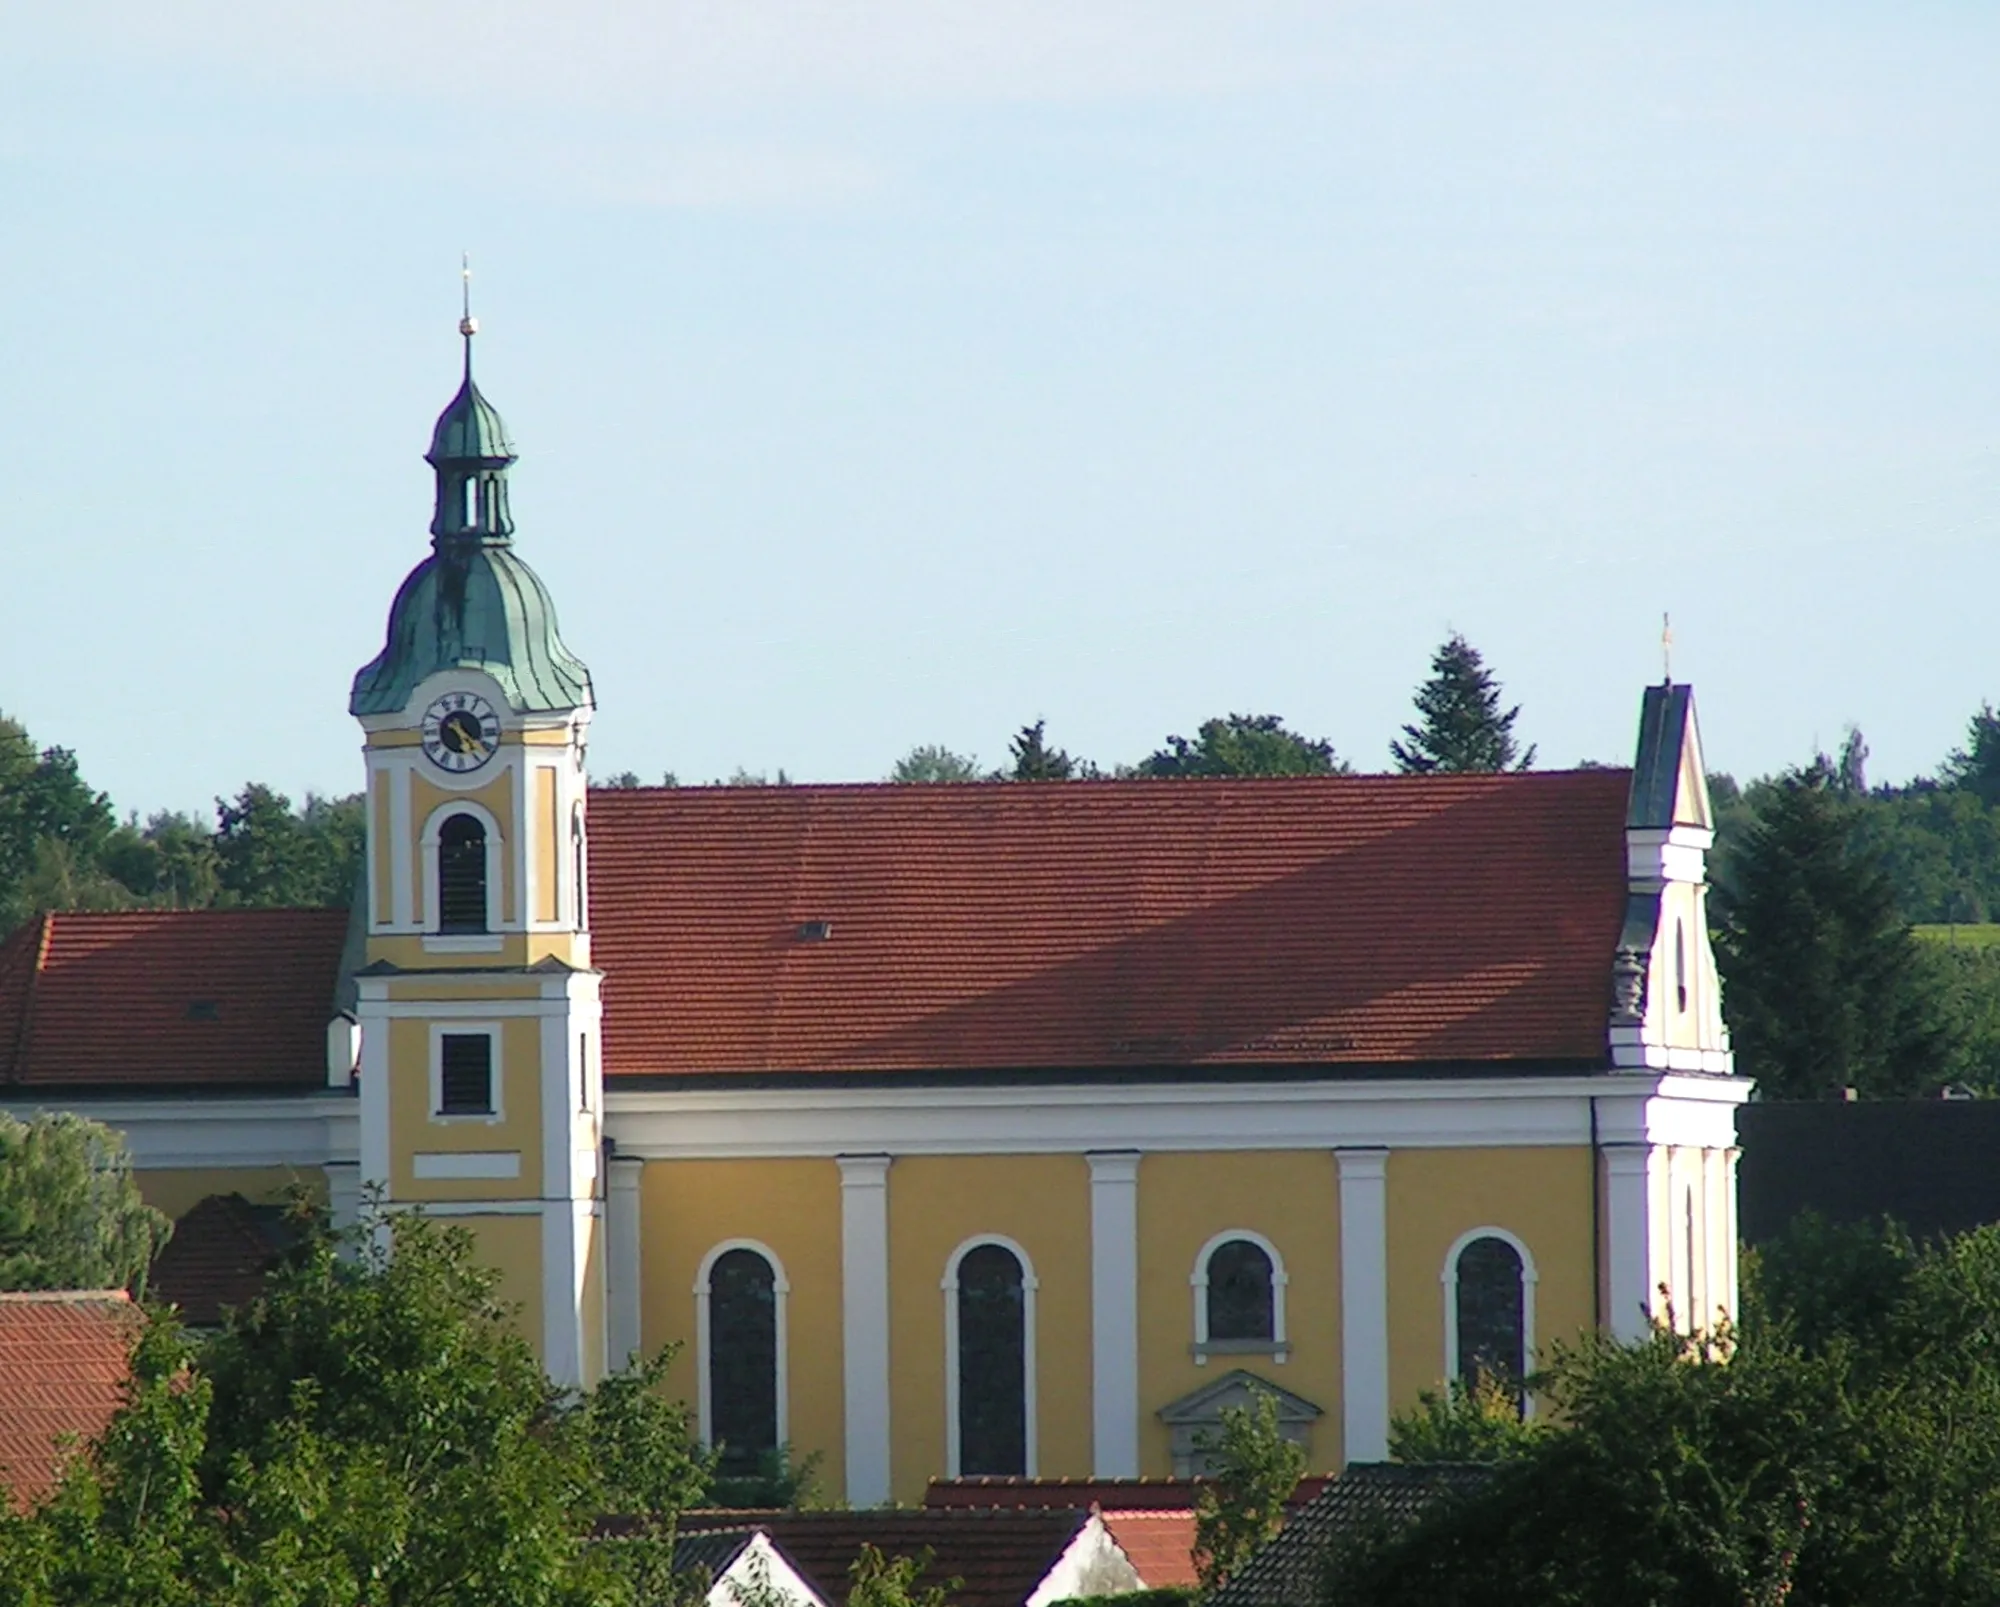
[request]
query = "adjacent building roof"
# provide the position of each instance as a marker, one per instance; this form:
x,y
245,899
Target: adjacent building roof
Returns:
x,y
1288,1571
64,1359
1108,1496
1326,921
1160,1545
998,1557
223,998
219,1255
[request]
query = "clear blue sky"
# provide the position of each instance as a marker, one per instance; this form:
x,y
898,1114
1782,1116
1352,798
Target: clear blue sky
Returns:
x,y
896,371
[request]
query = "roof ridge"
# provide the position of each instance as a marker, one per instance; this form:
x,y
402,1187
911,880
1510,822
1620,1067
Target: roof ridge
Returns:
x,y
17,1058
67,1296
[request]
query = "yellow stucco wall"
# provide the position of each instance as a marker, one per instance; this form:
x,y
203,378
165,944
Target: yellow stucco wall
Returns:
x,y
793,1206
547,837
1540,1195
177,1191
936,1203
1292,1198
412,1128
593,1303
497,798
512,1246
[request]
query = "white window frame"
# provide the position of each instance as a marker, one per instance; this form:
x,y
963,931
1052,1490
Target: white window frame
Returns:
x,y
439,942
781,1288
1449,1280
1030,1399
440,1030
1279,1346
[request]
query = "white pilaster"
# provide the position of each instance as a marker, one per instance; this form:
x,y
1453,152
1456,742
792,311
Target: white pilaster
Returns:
x,y
1364,1303
622,1267
864,1324
1114,1314
343,1193
1634,1263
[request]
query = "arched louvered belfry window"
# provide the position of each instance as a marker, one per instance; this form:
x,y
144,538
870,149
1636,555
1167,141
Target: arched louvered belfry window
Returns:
x,y
1240,1293
1489,1294
742,1360
461,855
992,1363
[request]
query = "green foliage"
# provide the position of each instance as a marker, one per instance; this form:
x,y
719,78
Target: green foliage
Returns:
x,y
1823,982
778,1480
375,1430
1035,760
1244,745
70,1213
1461,726
879,1581
1842,1448
266,854
1481,1422
1158,1596
931,761
1253,1470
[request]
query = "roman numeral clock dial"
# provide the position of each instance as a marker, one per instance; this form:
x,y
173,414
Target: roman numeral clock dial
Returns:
x,y
461,732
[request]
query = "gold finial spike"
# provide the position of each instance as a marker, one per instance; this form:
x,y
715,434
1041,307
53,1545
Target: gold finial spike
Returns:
x,y
468,326
1667,647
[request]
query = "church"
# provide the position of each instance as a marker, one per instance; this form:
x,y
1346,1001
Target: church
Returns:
x,y
987,1128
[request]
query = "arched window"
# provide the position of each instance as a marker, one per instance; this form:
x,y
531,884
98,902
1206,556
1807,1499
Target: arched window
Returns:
x,y
461,851
1239,1296
1489,1306
989,1327
741,1330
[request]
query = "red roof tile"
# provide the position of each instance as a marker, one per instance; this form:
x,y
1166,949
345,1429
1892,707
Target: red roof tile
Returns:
x,y
1354,920
218,1257
1106,1495
64,1359
219,997
1160,1545
998,1556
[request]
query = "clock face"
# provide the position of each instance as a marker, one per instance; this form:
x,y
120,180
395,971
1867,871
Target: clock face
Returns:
x,y
461,731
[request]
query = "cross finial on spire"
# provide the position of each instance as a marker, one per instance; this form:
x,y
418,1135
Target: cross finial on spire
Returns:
x,y
1667,647
468,326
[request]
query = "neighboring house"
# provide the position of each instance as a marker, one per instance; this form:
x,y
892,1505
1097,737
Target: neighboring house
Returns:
x,y
999,1558
1366,1497
745,1569
988,1128
218,1258
1929,1163
65,1358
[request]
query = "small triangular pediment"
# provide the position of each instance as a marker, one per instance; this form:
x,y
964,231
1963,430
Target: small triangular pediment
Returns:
x,y
1236,1388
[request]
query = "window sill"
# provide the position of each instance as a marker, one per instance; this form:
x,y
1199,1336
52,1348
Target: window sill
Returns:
x,y
463,943
1279,1350
465,1118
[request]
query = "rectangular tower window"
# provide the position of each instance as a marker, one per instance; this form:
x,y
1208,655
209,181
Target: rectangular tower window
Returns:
x,y
465,1081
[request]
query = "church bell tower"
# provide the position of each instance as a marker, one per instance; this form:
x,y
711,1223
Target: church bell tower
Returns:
x,y
481,1077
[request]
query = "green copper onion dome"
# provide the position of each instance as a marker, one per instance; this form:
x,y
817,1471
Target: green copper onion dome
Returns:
x,y
472,604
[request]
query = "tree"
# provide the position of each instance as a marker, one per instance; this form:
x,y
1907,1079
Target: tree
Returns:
x,y
1461,726
1976,766
268,855
1253,1470
930,761
1035,760
1823,982
374,1432
70,1213
1481,1422
1244,745
876,1580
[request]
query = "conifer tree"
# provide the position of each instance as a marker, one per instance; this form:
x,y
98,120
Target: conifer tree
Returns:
x,y
1824,984
1461,724
70,1212
1035,760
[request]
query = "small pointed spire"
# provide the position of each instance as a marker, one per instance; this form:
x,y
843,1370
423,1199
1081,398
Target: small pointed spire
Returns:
x,y
468,326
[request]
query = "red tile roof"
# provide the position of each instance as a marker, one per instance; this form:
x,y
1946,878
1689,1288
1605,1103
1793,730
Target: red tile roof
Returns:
x,y
1106,1495
64,1359
218,997
1160,1545
1338,920
219,1256
998,1556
